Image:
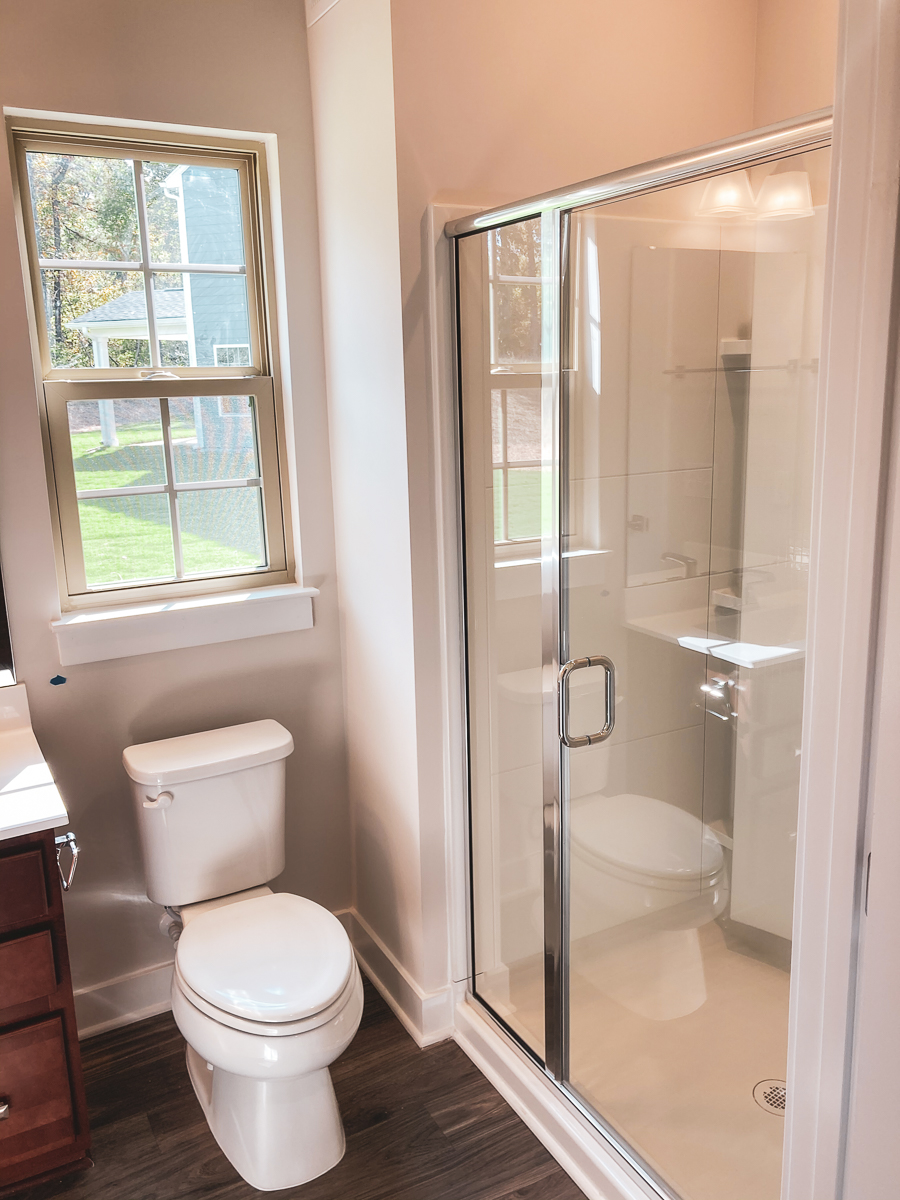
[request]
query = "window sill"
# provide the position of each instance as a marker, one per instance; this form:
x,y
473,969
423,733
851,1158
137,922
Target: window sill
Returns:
x,y
92,635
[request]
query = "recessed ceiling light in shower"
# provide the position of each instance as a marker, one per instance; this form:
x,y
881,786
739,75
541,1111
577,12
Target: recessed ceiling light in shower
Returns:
x,y
728,196
784,197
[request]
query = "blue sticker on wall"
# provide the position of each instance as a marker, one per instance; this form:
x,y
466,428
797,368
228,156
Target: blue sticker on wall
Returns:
x,y
57,680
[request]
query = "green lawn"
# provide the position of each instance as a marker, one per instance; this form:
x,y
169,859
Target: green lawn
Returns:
x,y
129,537
138,458
523,500
128,435
120,546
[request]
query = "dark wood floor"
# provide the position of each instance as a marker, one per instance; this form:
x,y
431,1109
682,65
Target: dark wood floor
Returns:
x,y
421,1125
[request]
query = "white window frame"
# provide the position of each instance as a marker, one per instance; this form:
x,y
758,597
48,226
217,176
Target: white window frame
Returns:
x,y
63,384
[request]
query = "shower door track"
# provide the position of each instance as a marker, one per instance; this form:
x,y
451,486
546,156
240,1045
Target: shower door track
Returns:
x,y
810,132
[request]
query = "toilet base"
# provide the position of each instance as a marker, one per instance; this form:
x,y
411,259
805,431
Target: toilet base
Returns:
x,y
276,1133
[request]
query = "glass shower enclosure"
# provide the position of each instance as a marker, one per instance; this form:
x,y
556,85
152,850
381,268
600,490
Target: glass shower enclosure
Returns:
x,y
638,362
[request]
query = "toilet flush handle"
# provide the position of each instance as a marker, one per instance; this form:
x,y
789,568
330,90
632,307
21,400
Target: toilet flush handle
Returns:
x,y
163,800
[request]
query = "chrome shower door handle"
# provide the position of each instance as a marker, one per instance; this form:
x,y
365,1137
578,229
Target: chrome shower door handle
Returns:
x,y
562,700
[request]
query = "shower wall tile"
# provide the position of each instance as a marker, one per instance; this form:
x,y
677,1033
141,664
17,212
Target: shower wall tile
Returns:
x,y
671,514
668,766
673,354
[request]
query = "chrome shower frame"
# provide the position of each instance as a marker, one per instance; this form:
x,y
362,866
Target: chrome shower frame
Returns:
x,y
810,132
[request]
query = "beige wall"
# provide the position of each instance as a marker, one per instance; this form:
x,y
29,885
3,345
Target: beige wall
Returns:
x,y
221,64
796,51
350,60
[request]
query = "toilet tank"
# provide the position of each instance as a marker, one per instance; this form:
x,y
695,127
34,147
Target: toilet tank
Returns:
x,y
210,810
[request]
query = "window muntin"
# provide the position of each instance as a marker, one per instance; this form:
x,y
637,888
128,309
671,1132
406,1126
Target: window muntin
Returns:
x,y
517,353
518,477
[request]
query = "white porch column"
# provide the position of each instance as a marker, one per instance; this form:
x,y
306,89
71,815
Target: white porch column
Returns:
x,y
108,436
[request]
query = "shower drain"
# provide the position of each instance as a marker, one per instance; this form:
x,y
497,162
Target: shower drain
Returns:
x,y
771,1094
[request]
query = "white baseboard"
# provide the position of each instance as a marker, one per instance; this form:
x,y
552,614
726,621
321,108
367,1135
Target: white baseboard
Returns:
x,y
122,1000
429,1017
591,1162
426,1016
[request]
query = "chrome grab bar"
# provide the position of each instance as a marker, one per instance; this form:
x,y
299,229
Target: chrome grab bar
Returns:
x,y
67,839
562,700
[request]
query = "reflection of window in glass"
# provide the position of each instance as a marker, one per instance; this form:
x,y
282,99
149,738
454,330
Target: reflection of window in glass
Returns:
x,y
592,269
516,441
514,272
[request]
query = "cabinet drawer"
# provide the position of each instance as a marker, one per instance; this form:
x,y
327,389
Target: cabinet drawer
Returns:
x,y
34,1080
23,890
27,970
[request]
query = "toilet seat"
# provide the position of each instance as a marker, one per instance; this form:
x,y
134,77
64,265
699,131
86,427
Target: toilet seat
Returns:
x,y
267,964
264,1028
645,839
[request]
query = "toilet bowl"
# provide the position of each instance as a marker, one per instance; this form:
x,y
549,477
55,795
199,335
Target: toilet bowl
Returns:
x,y
267,994
266,990
645,876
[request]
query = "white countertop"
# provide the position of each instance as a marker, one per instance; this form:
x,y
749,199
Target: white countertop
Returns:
x,y
29,799
688,629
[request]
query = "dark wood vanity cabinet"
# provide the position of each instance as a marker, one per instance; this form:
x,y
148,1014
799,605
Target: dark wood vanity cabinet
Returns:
x,y
43,1114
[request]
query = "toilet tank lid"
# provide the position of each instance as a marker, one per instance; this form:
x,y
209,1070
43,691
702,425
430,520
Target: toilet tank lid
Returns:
x,y
203,755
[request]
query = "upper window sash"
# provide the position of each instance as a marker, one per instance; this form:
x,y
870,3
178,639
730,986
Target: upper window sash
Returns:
x,y
155,324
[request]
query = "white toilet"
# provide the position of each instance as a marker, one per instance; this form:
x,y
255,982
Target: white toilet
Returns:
x,y
266,991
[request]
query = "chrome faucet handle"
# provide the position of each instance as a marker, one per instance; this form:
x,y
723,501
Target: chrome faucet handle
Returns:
x,y
689,564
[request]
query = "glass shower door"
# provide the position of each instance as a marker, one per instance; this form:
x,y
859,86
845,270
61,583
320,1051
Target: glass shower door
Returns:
x,y
689,386
638,393
509,345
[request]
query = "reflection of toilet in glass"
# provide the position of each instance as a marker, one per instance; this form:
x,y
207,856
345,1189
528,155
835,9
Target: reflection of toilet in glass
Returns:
x,y
645,876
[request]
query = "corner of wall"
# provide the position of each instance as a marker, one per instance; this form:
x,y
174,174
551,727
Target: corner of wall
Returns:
x,y
121,1001
351,74
426,1016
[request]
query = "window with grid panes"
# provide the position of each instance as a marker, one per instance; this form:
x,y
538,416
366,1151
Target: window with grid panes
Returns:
x,y
514,257
146,267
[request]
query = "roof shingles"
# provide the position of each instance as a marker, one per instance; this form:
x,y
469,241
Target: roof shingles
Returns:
x,y
169,303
